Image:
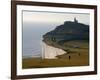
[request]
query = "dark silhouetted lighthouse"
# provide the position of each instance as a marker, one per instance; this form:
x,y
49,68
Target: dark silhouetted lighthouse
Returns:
x,y
75,20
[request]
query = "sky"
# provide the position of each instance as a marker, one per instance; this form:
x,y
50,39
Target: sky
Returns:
x,y
54,17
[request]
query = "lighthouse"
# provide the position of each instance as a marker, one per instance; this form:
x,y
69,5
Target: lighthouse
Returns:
x,y
75,20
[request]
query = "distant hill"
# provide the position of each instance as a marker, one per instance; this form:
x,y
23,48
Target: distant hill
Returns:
x,y
67,32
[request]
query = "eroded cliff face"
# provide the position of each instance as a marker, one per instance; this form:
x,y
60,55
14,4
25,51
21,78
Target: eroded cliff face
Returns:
x,y
50,52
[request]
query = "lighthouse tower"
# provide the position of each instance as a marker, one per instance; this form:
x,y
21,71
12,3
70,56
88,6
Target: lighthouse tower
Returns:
x,y
75,20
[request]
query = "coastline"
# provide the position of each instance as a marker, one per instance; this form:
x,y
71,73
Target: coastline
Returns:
x,y
50,52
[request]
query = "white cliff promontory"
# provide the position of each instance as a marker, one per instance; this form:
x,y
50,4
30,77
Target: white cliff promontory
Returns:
x,y
50,52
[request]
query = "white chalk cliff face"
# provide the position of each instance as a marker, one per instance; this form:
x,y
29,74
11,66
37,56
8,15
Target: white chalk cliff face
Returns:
x,y
49,52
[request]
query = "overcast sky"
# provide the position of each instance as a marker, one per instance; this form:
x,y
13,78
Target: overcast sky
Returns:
x,y
54,17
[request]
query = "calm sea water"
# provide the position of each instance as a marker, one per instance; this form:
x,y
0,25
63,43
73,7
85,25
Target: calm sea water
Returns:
x,y
32,38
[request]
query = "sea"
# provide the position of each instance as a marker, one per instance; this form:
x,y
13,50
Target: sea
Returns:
x,y
32,33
